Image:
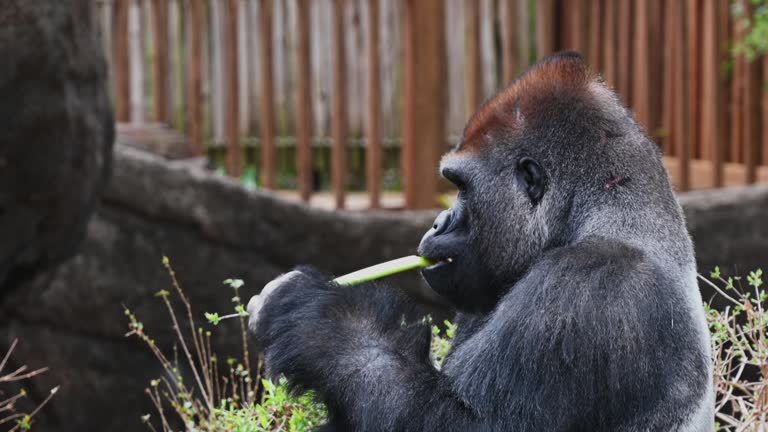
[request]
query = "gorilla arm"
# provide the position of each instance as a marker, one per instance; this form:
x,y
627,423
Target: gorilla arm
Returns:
x,y
363,350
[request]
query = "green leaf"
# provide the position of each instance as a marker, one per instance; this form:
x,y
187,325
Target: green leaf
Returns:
x,y
234,283
755,278
715,274
212,318
240,309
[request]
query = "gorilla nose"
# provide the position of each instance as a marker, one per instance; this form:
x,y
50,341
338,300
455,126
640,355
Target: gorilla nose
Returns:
x,y
442,222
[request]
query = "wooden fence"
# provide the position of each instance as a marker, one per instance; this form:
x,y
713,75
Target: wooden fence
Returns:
x,y
412,71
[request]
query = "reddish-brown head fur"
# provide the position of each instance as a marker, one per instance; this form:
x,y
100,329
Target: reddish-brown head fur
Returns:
x,y
526,97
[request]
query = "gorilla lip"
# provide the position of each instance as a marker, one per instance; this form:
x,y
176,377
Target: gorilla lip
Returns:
x,y
440,263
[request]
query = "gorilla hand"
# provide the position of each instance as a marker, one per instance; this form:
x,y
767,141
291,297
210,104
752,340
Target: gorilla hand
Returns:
x,y
282,317
307,327
257,302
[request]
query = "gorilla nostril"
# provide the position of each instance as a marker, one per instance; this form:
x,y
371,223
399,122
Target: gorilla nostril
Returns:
x,y
442,222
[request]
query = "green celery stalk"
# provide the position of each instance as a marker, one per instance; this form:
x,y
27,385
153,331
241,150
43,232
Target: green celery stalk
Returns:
x,y
384,269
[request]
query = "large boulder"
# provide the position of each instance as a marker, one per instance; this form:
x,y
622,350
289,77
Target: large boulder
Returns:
x,y
56,132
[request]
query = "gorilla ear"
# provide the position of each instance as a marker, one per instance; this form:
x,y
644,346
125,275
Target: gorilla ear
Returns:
x,y
533,178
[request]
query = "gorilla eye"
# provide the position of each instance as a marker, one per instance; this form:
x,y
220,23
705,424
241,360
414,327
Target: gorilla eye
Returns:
x,y
533,177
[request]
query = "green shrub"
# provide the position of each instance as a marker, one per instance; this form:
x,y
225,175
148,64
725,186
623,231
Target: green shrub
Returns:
x,y
740,352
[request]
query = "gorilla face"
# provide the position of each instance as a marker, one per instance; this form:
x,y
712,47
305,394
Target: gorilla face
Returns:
x,y
483,244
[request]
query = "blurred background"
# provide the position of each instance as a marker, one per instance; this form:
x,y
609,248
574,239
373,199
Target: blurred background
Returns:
x,y
240,138
321,96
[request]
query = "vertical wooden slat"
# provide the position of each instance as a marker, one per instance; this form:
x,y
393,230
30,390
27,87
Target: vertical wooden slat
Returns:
x,y
524,32
304,101
244,50
472,70
424,99
751,117
669,84
253,35
545,28
656,42
137,42
641,64
121,62
194,89
565,34
624,50
726,40
764,122
579,27
266,108
574,34
373,151
161,60
681,112
595,34
509,43
736,144
232,102
711,104
339,121
173,32
215,66
609,42
692,9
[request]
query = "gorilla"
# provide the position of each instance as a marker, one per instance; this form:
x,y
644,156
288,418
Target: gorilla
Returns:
x,y
567,259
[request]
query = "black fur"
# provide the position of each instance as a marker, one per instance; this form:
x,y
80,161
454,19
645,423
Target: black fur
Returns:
x,y
580,310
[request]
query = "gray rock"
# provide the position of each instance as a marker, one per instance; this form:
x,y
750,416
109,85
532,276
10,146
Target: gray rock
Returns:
x,y
56,132
730,229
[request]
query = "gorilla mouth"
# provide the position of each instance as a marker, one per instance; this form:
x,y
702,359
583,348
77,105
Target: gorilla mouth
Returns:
x,y
441,262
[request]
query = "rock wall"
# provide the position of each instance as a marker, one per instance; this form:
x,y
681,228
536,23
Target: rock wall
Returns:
x,y
729,229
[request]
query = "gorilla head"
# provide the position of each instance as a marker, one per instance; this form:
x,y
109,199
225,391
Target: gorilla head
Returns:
x,y
532,168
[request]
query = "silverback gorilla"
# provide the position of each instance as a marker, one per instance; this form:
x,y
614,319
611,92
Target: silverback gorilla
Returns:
x,y
567,258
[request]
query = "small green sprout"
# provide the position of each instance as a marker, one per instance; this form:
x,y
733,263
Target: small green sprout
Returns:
x,y
755,278
212,318
715,274
241,310
235,284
